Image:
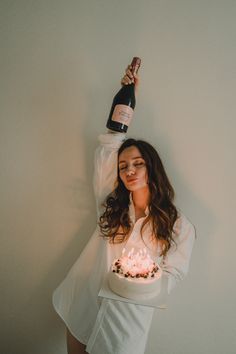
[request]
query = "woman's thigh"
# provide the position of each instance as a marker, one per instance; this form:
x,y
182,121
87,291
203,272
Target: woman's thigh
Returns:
x,y
73,345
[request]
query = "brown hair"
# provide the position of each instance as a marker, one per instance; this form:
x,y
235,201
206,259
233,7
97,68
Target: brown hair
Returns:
x,y
115,223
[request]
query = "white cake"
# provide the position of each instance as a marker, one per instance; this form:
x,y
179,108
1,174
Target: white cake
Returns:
x,y
135,276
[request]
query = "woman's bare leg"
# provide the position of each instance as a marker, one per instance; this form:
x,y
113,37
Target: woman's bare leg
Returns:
x,y
73,345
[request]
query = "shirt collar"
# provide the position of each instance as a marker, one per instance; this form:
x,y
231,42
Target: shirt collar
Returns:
x,y
132,209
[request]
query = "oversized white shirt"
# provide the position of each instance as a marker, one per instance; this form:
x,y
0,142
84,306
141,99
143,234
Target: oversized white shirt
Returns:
x,y
76,298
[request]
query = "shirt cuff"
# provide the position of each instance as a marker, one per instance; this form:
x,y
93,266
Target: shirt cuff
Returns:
x,y
112,139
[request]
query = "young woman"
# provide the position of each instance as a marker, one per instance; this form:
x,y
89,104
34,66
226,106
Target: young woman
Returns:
x,y
135,210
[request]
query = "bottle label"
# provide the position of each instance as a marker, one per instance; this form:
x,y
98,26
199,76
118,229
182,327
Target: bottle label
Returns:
x,y
122,114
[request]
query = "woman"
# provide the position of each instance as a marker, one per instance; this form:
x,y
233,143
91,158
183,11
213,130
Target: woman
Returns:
x,y
135,209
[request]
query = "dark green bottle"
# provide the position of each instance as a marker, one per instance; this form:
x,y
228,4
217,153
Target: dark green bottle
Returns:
x,y
123,104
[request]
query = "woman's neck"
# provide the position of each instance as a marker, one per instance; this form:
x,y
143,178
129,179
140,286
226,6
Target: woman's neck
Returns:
x,y
141,198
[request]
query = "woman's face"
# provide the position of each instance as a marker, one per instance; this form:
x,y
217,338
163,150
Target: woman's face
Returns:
x,y
132,169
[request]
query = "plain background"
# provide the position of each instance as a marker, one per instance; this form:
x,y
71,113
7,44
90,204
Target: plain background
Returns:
x,y
61,64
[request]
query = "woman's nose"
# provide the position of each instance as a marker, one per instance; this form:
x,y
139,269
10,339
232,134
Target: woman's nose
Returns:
x,y
130,170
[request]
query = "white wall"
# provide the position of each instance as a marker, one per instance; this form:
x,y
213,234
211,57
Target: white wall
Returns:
x,y
61,64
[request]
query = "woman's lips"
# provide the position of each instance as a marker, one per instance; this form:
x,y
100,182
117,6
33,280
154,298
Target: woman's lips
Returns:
x,y
132,180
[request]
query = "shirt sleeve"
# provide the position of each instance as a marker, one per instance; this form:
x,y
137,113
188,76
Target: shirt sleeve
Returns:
x,y
175,264
105,166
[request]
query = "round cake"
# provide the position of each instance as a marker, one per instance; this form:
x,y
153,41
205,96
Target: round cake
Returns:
x,y
135,276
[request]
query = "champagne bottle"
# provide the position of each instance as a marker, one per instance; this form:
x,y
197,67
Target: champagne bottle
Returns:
x,y
123,104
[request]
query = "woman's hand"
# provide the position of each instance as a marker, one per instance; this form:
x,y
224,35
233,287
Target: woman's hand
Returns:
x,y
130,78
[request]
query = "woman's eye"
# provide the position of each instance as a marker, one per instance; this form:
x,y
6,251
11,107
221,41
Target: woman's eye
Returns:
x,y
139,164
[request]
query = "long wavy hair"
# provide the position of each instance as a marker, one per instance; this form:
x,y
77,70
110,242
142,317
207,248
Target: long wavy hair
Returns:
x,y
115,223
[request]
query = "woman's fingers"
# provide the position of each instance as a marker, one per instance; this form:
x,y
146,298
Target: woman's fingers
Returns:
x,y
126,80
129,77
129,72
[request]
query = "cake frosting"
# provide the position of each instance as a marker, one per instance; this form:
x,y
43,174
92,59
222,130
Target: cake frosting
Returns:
x,y
135,276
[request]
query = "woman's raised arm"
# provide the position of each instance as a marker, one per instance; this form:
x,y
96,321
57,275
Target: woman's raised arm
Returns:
x,y
105,166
